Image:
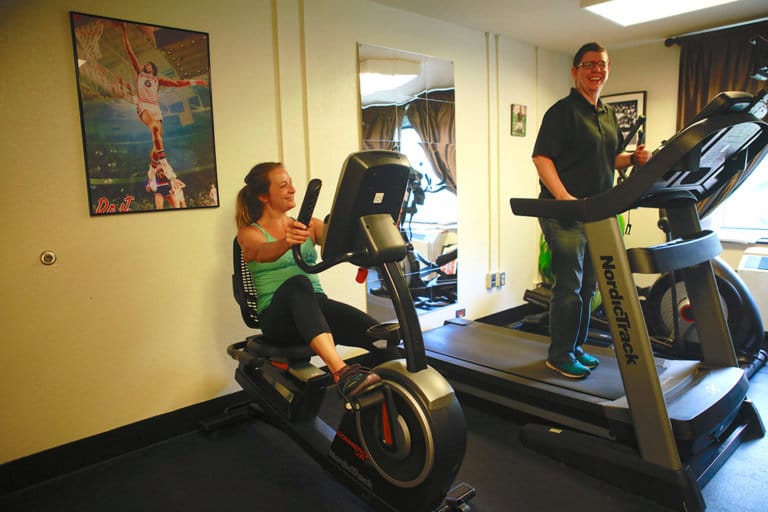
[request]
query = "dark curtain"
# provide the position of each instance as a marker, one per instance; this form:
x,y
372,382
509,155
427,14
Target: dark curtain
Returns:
x,y
711,63
432,115
381,125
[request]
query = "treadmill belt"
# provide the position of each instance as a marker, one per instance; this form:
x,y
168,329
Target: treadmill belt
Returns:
x,y
523,354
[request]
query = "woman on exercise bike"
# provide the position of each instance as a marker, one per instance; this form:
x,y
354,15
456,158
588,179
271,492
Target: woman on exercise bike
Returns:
x,y
291,302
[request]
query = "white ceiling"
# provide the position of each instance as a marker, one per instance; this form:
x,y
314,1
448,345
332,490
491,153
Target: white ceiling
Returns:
x,y
563,26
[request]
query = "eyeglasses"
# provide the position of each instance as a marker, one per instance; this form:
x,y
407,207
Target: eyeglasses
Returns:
x,y
589,64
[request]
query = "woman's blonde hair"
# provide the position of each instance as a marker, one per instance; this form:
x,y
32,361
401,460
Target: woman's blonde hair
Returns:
x,y
249,208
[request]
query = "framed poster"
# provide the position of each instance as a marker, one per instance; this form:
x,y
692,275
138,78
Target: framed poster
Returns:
x,y
146,116
519,118
629,106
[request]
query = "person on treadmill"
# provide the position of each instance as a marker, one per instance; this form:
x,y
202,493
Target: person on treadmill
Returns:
x,y
291,303
576,153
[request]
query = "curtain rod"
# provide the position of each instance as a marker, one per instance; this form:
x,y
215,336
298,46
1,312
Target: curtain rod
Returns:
x,y
676,39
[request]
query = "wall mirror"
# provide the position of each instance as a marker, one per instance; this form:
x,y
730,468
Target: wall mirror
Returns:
x,y
407,103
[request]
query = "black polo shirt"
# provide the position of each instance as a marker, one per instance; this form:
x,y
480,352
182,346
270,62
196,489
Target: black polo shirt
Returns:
x,y
583,142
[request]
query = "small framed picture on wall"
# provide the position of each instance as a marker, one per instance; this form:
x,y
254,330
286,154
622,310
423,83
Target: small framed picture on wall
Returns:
x,y
519,119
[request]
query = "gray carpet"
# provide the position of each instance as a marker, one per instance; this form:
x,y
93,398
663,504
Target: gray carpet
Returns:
x,y
252,466
509,477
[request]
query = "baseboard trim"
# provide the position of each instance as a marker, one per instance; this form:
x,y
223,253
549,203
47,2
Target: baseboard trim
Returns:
x,y
57,461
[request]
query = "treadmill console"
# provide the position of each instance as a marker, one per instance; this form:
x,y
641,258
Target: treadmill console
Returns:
x,y
725,139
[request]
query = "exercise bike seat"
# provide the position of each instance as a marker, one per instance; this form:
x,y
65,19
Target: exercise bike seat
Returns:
x,y
258,344
292,359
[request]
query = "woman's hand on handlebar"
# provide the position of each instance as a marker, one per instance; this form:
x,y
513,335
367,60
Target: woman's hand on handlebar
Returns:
x,y
295,233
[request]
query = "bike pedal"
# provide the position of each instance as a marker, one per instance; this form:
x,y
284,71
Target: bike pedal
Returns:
x,y
457,499
373,395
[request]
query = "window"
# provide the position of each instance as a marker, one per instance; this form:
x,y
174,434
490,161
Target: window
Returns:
x,y
441,205
743,217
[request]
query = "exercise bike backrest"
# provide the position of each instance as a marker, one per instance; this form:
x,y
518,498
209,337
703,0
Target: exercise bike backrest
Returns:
x,y
246,297
243,288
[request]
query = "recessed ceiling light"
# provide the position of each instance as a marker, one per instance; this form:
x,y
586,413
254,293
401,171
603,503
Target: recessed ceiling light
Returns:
x,y
631,12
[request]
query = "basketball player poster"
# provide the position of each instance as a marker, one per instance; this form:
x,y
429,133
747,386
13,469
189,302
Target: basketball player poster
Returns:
x,y
146,116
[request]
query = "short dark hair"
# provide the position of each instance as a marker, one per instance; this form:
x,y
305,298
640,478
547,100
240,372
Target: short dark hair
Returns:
x,y
588,47
153,66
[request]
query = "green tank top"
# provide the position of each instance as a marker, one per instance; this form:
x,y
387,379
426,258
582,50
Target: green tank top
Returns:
x,y
267,277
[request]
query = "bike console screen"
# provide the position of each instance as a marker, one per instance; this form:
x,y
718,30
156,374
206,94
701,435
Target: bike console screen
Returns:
x,y
371,182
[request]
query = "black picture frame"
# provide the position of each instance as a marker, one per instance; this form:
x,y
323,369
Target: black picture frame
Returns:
x,y
629,106
146,115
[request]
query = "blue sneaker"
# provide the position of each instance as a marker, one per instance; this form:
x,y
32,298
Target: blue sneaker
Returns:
x,y
571,369
587,360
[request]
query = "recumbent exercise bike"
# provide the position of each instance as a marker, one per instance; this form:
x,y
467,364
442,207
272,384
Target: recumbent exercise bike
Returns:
x,y
400,443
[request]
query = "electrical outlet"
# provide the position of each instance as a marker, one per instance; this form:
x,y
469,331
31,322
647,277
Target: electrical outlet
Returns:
x,y
490,280
502,280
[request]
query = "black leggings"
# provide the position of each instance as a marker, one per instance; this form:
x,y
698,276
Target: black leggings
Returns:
x,y
297,315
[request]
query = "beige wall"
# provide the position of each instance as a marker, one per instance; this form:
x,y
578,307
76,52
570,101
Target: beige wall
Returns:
x,y
651,68
134,318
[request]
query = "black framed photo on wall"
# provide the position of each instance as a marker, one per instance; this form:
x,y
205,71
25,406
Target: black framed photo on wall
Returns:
x,y
146,115
629,107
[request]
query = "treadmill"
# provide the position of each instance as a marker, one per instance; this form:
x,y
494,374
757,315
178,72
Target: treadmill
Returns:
x,y
657,427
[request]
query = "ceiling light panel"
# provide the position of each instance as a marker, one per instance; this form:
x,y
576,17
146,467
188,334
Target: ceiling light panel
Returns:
x,y
630,12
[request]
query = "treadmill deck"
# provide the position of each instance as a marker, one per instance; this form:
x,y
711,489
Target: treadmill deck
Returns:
x,y
493,360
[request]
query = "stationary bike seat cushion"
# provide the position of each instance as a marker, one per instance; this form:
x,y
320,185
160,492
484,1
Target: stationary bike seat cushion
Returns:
x,y
259,345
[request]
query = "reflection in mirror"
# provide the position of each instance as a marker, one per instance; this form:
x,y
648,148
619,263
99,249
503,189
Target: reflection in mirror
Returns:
x,y
407,104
